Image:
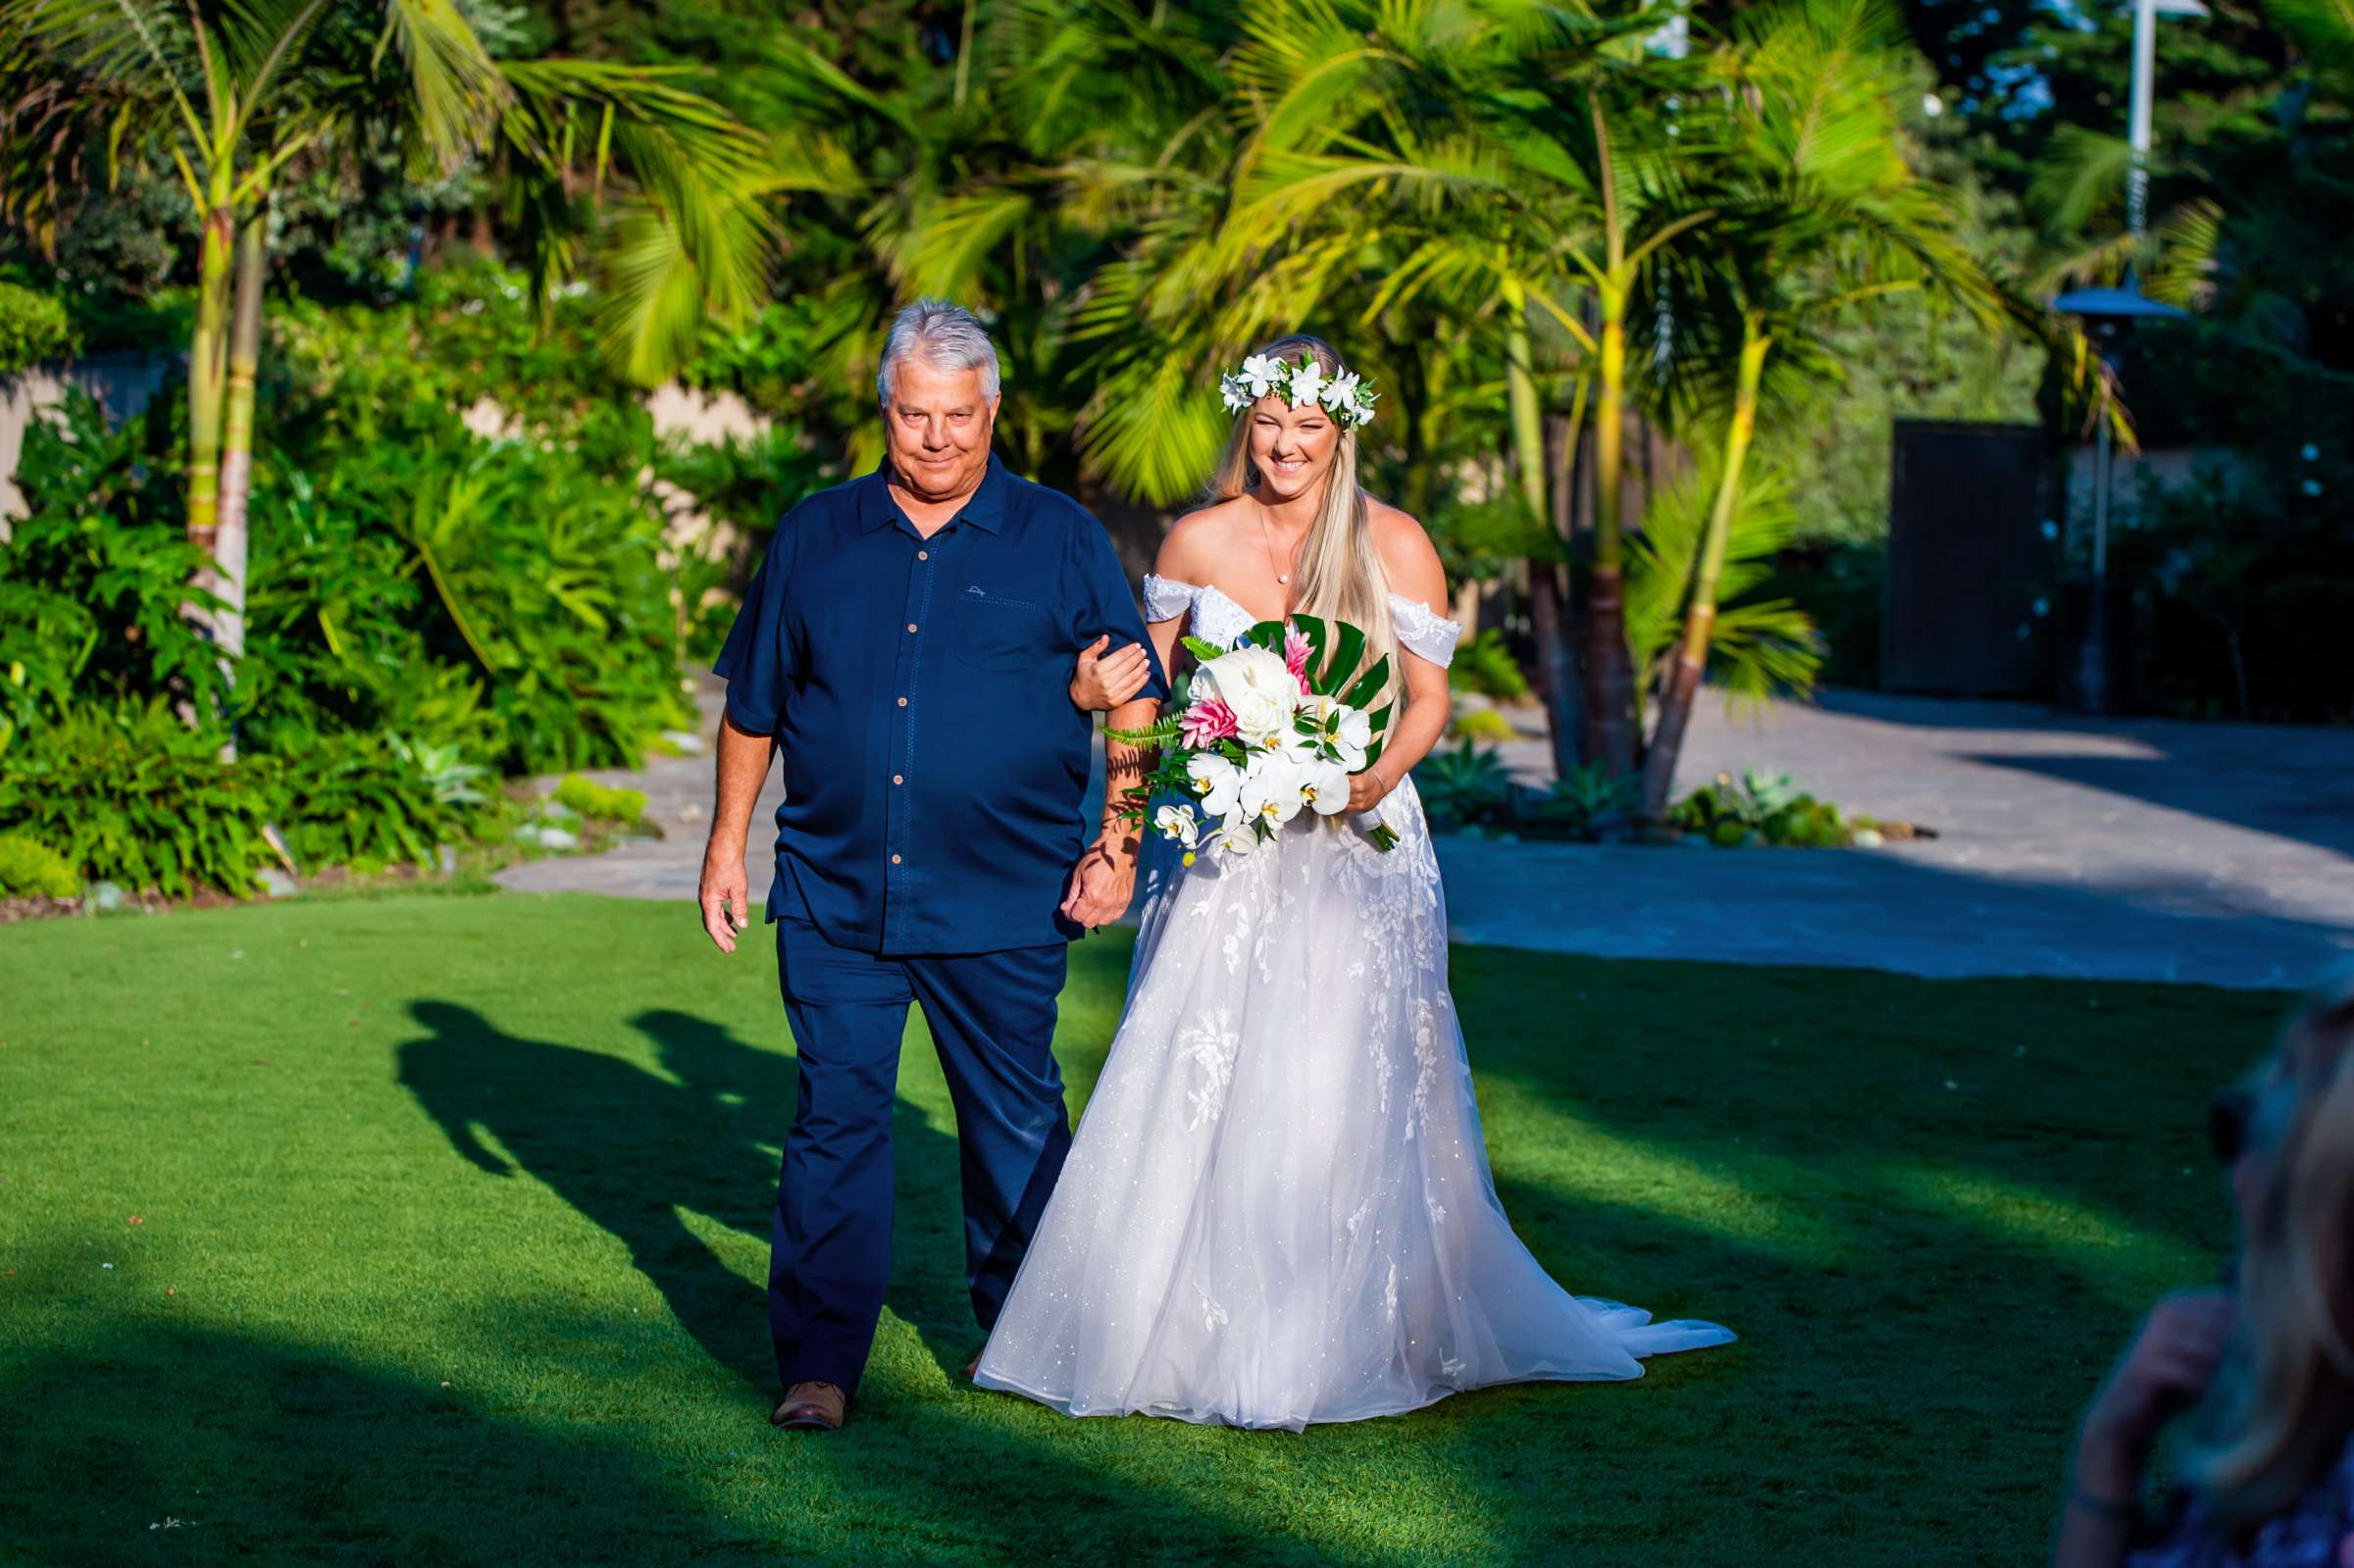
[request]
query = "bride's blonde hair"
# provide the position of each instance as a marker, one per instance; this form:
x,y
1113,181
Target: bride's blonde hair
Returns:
x,y
1340,572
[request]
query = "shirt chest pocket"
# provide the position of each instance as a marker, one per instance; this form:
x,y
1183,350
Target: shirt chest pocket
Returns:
x,y
995,632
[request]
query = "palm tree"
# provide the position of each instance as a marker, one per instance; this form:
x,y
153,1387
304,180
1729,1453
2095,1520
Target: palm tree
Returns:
x,y
1821,212
233,95
1637,192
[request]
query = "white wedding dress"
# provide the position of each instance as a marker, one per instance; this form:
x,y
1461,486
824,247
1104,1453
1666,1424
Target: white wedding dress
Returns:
x,y
1277,1208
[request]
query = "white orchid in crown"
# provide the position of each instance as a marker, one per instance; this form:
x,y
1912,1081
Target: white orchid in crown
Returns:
x,y
1348,397
1308,384
1261,375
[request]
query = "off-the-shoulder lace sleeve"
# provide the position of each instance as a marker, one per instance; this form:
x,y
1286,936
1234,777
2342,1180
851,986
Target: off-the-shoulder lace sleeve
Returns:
x,y
1422,630
1165,599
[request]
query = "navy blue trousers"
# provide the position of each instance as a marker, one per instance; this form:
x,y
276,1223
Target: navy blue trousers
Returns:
x,y
991,1016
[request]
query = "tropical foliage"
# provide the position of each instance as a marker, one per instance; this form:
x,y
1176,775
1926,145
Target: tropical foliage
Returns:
x,y
1640,285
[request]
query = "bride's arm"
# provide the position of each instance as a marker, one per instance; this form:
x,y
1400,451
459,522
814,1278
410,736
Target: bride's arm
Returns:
x,y
1413,567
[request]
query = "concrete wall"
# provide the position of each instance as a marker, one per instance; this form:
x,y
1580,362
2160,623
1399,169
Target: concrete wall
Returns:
x,y
123,383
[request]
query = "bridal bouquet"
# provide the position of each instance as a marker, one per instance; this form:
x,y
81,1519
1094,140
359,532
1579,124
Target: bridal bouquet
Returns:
x,y
1270,727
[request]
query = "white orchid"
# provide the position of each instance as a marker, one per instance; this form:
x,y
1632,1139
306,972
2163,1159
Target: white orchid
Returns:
x,y
1324,785
1272,790
1177,822
1262,373
1218,781
1363,412
1235,838
1232,394
1352,735
1308,384
1340,393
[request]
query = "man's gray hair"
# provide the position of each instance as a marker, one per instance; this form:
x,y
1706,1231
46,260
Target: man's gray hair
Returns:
x,y
943,336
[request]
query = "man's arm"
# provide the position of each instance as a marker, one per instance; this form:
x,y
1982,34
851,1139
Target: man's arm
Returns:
x,y
1104,879
742,768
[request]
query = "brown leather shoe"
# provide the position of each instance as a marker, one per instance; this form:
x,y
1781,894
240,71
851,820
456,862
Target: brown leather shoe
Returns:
x,y
972,1369
810,1407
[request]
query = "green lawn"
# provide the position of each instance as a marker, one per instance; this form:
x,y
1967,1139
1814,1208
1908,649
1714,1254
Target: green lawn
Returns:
x,y
451,1218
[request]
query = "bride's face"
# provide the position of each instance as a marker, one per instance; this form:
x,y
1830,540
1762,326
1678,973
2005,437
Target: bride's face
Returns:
x,y
1292,447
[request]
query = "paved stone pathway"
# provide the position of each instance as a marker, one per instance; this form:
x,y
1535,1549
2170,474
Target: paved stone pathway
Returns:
x,y
2120,850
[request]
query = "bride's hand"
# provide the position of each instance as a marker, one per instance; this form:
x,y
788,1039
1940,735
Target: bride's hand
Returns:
x,y
1102,682
1370,789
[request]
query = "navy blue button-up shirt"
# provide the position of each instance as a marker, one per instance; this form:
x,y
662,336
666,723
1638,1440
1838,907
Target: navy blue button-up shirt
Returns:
x,y
918,688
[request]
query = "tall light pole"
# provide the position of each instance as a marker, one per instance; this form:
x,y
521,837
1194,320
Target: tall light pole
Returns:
x,y
2102,310
2145,73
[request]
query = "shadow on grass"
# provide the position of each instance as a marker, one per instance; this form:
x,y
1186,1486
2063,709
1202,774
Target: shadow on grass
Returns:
x,y
629,1149
185,1444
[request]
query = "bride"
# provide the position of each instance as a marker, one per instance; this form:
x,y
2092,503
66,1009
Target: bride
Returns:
x,y
1278,1207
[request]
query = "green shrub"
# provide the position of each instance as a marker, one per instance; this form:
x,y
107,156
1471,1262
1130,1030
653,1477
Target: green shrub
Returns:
x,y
1483,725
31,868
1486,665
1766,805
94,578
593,800
1463,787
33,327
522,592
356,800
1580,802
137,798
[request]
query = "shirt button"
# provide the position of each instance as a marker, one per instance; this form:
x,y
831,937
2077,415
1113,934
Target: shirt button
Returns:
x,y
894,860
903,702
898,778
923,555
911,626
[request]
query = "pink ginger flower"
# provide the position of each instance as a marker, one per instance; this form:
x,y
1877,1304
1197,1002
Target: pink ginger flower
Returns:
x,y
1295,649
1207,721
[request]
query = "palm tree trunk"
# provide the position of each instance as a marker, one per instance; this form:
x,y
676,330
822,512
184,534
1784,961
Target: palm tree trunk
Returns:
x,y
1691,658
236,428
1610,718
1548,610
237,447
207,372
1553,610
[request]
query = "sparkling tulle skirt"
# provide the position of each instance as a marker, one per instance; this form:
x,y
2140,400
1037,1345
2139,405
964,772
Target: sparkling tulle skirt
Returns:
x,y
1278,1209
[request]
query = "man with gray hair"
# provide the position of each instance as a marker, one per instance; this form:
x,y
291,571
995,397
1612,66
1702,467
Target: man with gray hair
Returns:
x,y
906,647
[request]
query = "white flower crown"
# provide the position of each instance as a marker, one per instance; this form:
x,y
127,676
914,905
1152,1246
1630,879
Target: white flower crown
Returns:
x,y
1349,396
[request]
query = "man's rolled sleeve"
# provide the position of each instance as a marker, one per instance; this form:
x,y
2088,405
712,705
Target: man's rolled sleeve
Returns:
x,y
1107,605
757,660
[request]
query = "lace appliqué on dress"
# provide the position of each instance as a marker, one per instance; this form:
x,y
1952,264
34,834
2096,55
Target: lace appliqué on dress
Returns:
x,y
1166,600
1422,630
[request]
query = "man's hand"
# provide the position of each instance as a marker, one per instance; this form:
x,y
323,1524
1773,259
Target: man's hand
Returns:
x,y
1102,682
1101,883
726,896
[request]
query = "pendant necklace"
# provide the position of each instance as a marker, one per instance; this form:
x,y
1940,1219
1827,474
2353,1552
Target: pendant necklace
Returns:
x,y
1267,538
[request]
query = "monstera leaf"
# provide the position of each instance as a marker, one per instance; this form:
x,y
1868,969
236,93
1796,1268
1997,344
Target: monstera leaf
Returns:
x,y
1337,669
